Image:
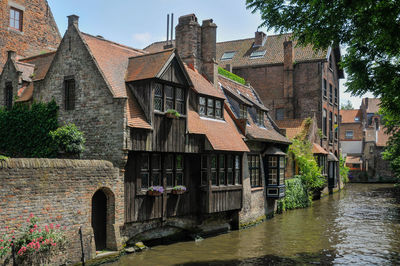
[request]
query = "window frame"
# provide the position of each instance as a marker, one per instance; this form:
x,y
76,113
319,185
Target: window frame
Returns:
x,y
278,168
260,118
20,20
213,107
219,172
336,96
162,170
347,136
325,89
228,58
254,164
324,121
330,93
282,117
8,95
257,54
164,98
69,93
243,111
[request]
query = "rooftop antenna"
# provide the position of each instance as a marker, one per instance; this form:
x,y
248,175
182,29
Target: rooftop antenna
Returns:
x,y
172,27
168,43
168,28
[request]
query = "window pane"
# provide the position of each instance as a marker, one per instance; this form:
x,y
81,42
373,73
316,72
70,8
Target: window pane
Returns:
x,y
204,161
204,178
282,162
202,110
179,162
272,161
217,104
282,177
169,93
16,15
158,90
210,102
170,182
213,162
202,100
179,178
214,178
179,94
145,179
156,179
144,162
169,104
158,104
180,107
156,162
237,162
210,108
168,164
222,180
272,177
218,113
237,176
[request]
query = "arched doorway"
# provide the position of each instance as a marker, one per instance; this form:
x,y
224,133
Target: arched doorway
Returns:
x,y
99,219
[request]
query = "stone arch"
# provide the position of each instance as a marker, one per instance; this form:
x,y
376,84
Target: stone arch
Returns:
x,y
103,219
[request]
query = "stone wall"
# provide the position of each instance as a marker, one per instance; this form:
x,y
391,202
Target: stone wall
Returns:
x,y
39,30
60,192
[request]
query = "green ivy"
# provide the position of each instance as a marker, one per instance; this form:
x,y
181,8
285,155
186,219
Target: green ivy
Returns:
x,y
231,76
296,196
24,130
343,170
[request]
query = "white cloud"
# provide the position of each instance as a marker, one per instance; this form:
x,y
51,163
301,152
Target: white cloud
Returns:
x,y
142,39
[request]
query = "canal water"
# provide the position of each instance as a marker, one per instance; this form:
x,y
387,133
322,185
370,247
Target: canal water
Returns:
x,y
358,226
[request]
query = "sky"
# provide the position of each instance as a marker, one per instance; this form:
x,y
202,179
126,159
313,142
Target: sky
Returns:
x,y
139,23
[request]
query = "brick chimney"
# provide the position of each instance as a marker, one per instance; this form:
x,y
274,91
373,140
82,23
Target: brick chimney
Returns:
x,y
288,55
188,40
73,20
259,39
209,50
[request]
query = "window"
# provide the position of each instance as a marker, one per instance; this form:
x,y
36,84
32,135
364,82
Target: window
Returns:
x,y
243,111
228,55
349,134
69,94
324,122
322,163
336,96
371,149
280,114
254,170
330,61
210,107
168,97
224,169
276,170
336,126
152,166
330,126
257,54
330,94
260,117
16,18
324,89
356,119
8,95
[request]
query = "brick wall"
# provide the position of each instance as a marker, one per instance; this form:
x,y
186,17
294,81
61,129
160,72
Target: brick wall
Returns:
x,y
60,191
355,127
39,31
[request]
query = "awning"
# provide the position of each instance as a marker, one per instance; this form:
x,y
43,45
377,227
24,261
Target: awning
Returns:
x,y
332,157
317,149
272,150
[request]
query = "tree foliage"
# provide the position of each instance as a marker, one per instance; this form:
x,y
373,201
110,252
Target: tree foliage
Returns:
x,y
68,139
369,29
347,106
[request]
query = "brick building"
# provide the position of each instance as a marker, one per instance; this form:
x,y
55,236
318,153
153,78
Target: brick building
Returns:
x,y
293,81
351,137
27,27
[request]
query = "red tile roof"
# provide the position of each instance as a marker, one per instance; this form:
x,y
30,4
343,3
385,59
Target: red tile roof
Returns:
x,y
202,85
348,116
41,64
147,66
353,159
293,126
112,59
383,138
222,135
274,51
25,93
373,104
317,149
157,46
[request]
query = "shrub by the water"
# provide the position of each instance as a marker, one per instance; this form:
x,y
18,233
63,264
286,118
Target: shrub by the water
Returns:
x,y
68,139
296,196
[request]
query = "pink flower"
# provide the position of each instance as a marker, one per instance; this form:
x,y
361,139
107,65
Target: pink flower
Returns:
x,y
6,227
28,220
31,230
31,215
40,230
35,226
1,247
51,226
58,226
1,240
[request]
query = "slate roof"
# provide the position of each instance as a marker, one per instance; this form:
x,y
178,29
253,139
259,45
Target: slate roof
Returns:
x,y
348,116
147,66
273,55
222,135
112,59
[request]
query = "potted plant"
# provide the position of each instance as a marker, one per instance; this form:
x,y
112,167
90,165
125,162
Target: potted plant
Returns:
x,y
171,113
155,191
177,190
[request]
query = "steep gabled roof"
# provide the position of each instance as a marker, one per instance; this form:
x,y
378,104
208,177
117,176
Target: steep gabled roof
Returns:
x,y
273,48
349,116
135,114
147,66
292,126
317,149
202,85
41,64
112,59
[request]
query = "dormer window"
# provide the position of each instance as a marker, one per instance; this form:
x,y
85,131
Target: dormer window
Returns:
x,y
228,55
167,97
210,107
243,111
257,54
16,17
260,117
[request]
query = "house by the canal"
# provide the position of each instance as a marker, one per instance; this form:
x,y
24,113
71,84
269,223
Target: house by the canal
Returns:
x,y
163,119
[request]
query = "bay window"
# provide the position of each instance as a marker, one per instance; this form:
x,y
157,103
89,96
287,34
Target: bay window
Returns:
x,y
275,172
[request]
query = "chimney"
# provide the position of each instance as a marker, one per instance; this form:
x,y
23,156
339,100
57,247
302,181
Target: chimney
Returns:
x,y
209,50
73,20
11,55
188,40
259,39
288,69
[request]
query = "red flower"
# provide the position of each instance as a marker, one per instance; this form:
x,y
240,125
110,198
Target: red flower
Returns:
x,y
31,215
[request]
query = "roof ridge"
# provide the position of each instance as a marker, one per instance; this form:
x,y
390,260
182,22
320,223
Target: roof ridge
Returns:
x,y
252,38
37,56
157,52
157,43
118,44
25,64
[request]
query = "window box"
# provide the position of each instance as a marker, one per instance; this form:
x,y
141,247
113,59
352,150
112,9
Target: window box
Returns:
x,y
178,190
155,191
173,114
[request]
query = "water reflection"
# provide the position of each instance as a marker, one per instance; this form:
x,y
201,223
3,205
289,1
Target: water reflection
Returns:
x,y
360,225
